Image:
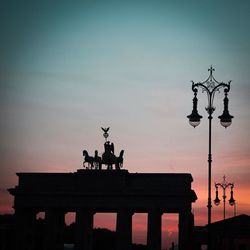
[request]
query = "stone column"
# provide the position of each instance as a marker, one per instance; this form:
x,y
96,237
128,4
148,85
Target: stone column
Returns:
x,y
124,230
54,228
154,230
186,224
25,229
84,230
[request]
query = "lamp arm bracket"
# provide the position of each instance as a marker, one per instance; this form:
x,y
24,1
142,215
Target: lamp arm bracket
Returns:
x,y
219,185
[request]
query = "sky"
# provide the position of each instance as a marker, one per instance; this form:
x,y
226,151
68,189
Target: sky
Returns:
x,y
68,68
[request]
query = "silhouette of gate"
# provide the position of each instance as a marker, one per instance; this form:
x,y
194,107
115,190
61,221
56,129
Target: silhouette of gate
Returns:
x,y
88,192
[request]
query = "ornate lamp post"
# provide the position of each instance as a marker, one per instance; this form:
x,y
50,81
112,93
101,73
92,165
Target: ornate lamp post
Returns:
x,y
224,185
210,86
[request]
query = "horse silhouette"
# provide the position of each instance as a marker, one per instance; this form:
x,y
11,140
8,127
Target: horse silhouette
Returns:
x,y
88,159
119,161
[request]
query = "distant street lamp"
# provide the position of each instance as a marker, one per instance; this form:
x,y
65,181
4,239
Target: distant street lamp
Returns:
x,y
224,185
210,86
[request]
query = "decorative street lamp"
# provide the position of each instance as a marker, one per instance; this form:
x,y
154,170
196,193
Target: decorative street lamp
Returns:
x,y
224,185
210,86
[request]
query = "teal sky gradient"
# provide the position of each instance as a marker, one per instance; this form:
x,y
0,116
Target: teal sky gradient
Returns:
x,y
69,67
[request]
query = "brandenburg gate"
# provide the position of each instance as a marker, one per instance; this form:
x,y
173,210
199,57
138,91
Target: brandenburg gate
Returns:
x,y
92,190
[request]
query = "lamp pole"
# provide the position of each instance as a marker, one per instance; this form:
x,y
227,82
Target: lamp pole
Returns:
x,y
224,185
210,86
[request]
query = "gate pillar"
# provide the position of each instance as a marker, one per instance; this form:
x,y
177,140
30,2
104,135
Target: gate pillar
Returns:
x,y
25,229
84,230
154,230
124,230
54,227
186,223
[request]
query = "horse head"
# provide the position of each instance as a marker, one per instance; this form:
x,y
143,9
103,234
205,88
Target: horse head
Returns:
x,y
85,153
121,154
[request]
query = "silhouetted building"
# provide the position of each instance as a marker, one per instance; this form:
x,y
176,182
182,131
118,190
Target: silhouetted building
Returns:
x,y
229,234
87,192
200,237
